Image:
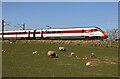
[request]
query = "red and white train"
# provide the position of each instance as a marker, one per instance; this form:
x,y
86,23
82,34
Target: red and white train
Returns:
x,y
61,33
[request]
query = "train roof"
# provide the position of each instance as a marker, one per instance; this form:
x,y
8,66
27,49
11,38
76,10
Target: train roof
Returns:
x,y
58,28
74,27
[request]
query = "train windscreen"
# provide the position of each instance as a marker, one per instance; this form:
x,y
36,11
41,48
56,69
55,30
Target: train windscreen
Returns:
x,y
100,29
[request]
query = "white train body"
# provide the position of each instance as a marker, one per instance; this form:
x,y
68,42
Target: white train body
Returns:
x,y
63,33
74,32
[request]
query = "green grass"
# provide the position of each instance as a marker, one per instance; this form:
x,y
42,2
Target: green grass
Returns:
x,y
18,61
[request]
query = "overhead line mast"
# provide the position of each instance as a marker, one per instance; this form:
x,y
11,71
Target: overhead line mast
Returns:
x,y
2,29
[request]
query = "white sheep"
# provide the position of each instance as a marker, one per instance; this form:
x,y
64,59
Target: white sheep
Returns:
x,y
72,54
88,64
34,52
11,42
92,55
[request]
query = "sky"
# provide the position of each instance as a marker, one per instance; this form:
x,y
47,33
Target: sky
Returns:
x,y
37,15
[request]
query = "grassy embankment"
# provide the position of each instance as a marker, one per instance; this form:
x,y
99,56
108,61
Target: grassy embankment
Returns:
x,y
18,60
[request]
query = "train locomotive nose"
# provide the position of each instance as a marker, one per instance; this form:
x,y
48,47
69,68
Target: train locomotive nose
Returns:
x,y
105,35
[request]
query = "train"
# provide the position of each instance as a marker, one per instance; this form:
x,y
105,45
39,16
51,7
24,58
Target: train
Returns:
x,y
56,33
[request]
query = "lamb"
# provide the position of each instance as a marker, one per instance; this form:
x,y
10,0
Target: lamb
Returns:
x,y
62,48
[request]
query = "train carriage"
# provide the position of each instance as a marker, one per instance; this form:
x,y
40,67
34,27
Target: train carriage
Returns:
x,y
14,34
61,33
75,33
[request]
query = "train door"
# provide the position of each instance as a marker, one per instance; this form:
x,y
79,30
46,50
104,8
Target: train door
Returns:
x,y
34,37
82,30
29,35
42,34
92,32
82,34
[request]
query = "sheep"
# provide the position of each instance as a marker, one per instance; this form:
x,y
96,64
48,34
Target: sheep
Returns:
x,y
52,53
93,55
34,52
3,51
11,42
62,48
88,64
76,56
72,54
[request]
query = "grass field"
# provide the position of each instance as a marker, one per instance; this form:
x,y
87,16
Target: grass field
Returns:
x,y
18,61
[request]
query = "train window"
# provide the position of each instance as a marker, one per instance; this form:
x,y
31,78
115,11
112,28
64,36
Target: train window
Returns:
x,y
58,31
12,33
96,30
19,32
91,30
53,31
8,34
15,32
86,31
82,30
23,32
49,32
